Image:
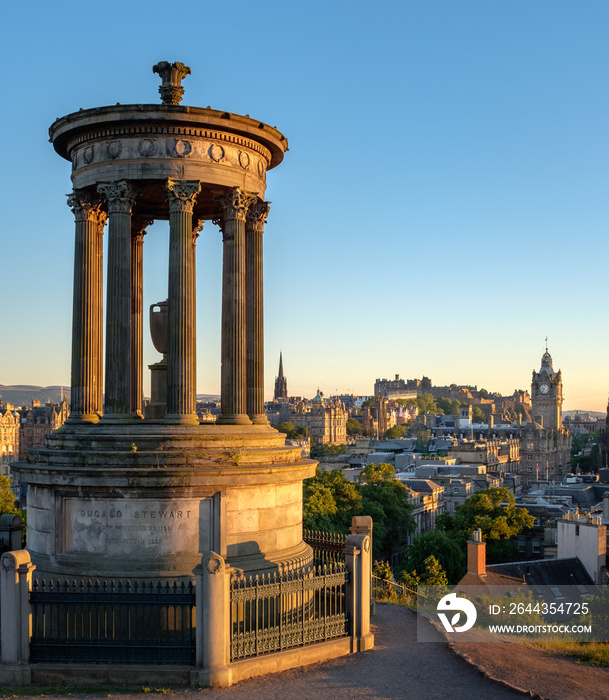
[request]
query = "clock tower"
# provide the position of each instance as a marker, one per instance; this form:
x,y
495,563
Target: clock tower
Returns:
x,y
546,394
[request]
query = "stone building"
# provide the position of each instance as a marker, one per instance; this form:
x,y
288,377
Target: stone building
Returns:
x,y
497,454
325,419
38,421
545,445
9,436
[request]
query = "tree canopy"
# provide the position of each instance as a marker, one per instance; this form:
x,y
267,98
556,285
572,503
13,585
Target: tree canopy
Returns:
x,y
494,511
446,550
397,431
426,403
330,501
7,498
354,427
449,406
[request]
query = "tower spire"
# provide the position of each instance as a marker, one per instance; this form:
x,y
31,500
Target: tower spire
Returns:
x,y
281,383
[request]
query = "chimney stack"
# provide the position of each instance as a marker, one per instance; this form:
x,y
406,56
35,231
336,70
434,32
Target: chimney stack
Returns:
x,y
476,554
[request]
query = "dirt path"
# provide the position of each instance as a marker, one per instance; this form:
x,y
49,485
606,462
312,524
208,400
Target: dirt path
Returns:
x,y
549,676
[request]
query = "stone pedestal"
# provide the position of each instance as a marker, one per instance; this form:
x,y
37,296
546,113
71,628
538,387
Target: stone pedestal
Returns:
x,y
148,502
157,408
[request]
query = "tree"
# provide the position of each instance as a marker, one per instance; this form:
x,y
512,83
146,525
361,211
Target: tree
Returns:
x,y
330,501
449,406
7,498
397,431
494,511
478,415
354,427
387,501
483,393
286,427
447,552
368,402
375,474
426,403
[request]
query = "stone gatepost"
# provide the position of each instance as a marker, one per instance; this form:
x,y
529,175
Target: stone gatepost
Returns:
x,y
16,617
213,622
358,559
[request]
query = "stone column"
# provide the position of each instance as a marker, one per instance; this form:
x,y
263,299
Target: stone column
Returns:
x,y
139,224
197,228
256,218
120,196
87,310
233,378
99,315
181,349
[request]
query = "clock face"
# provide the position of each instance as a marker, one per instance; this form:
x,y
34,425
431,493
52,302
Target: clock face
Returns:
x,y
544,388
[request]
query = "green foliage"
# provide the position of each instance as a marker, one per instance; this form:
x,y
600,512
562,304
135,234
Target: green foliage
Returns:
x,y
323,450
7,498
368,403
354,427
375,474
330,501
587,463
426,403
447,551
388,502
397,431
448,406
483,393
382,570
478,415
292,432
494,511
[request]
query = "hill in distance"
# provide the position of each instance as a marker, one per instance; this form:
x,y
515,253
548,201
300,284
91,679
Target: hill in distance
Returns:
x,y
23,394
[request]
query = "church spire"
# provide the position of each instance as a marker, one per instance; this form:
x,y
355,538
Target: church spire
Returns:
x,y
281,383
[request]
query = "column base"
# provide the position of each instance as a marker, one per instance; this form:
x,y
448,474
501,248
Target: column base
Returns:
x,y
182,419
259,419
234,419
120,418
83,418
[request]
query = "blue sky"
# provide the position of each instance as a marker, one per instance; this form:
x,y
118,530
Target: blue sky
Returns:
x,y
442,208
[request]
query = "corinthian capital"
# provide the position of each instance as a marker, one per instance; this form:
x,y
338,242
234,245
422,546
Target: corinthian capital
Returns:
x,y
120,196
182,194
257,215
85,205
139,224
235,203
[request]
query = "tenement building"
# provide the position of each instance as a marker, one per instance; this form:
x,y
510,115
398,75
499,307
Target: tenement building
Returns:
x,y
38,421
9,436
545,445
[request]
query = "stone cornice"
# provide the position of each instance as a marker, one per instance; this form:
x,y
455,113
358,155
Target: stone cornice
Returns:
x,y
121,120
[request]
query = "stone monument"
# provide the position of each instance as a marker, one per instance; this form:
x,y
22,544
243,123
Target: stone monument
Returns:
x,y
118,493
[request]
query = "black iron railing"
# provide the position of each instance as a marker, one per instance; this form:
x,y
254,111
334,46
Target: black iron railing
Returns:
x,y
113,621
275,612
327,546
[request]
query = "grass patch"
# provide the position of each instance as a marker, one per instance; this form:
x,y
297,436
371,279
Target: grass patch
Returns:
x,y
593,653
